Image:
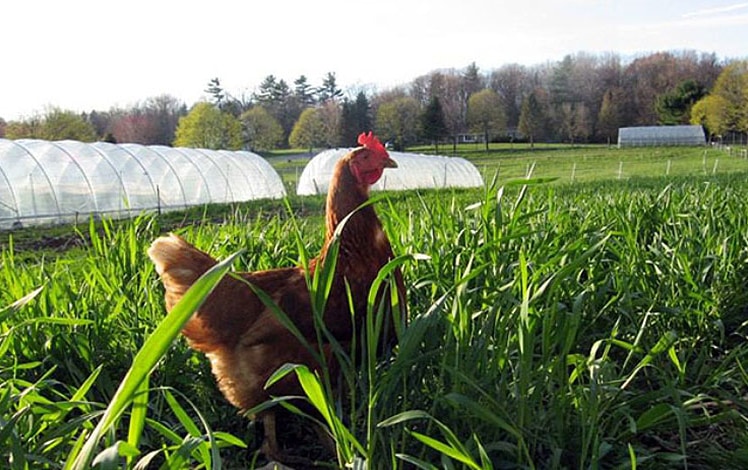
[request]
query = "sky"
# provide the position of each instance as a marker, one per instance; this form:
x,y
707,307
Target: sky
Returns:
x,y
84,55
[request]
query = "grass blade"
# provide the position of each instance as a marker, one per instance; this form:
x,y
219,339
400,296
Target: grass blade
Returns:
x,y
148,356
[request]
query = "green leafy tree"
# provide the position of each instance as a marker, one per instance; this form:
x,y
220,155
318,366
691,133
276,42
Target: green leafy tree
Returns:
x,y
260,130
397,121
308,132
725,109
712,112
433,126
205,126
532,118
56,124
24,129
485,114
60,125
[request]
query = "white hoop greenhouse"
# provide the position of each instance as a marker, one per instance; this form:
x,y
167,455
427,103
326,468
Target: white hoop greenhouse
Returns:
x,y
45,182
660,135
414,171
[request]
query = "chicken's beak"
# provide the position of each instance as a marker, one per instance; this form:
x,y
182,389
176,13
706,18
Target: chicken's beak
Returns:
x,y
390,163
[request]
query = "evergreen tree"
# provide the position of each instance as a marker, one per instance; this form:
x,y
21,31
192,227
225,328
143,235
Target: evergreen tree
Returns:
x,y
355,118
224,101
610,117
275,96
266,91
472,82
532,117
561,86
215,90
674,107
433,127
303,92
329,89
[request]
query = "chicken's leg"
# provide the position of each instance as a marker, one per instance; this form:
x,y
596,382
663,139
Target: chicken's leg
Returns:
x,y
270,441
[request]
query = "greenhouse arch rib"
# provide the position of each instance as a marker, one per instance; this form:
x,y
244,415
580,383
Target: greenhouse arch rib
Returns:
x,y
180,151
13,195
80,168
117,174
166,161
46,176
206,154
140,164
235,160
262,167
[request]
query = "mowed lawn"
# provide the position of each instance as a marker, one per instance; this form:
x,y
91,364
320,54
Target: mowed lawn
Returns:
x,y
567,163
582,163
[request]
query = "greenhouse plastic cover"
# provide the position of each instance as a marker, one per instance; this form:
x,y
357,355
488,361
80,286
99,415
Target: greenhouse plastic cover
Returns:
x,y
413,171
50,182
661,135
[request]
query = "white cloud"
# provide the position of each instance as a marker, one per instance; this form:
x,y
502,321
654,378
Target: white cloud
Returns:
x,y
716,11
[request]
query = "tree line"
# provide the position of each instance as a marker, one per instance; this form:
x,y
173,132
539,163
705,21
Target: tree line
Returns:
x,y
581,98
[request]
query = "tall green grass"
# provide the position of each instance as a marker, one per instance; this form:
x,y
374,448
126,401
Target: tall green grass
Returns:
x,y
597,325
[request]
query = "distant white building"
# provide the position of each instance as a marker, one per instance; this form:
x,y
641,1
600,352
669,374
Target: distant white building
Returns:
x,y
469,138
660,135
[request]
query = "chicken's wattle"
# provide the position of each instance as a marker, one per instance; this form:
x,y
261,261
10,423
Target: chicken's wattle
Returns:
x,y
372,176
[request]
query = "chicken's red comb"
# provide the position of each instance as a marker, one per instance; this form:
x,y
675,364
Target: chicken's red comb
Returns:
x,y
371,142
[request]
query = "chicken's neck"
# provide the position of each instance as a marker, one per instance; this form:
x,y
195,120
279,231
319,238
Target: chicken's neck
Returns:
x,y
345,195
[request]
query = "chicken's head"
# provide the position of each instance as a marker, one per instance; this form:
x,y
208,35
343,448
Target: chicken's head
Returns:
x,y
368,162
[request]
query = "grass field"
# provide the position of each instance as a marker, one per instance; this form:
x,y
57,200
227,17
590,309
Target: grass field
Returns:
x,y
600,324
570,164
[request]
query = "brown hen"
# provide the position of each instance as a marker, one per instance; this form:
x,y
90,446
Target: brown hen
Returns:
x,y
243,339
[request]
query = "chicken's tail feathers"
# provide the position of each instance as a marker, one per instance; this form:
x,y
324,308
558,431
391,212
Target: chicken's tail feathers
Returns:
x,y
179,264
